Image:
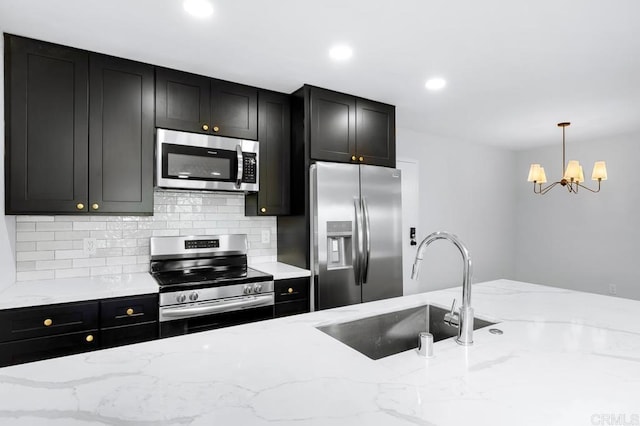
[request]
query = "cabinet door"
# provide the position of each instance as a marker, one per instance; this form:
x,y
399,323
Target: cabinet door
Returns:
x,y
130,310
128,334
121,136
234,110
48,347
47,126
182,101
274,137
376,133
332,126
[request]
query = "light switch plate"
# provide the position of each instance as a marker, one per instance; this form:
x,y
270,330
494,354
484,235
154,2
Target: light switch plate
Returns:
x,y
89,246
266,236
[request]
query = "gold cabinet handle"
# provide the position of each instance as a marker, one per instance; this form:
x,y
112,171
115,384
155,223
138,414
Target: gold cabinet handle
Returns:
x,y
353,158
205,127
89,338
361,159
263,210
216,128
130,311
95,206
290,290
79,206
48,322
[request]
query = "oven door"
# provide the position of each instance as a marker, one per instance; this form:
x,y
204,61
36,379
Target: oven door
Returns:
x,y
192,161
193,317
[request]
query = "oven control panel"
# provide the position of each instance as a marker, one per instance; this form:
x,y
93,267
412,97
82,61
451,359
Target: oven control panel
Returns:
x,y
201,244
212,293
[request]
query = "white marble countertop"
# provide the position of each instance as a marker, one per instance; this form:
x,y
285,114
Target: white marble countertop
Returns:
x,y
565,358
44,292
281,271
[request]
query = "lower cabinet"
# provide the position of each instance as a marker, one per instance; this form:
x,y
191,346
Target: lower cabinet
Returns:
x,y
291,296
41,332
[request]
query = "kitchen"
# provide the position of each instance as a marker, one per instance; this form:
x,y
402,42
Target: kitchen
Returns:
x,y
498,218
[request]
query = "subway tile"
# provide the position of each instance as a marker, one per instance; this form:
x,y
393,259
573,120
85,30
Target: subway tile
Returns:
x,y
152,225
104,235
72,273
106,218
71,254
54,226
26,226
26,266
109,252
191,231
180,224
35,236
89,226
83,218
53,264
72,235
144,259
55,245
34,255
131,269
166,232
204,224
137,233
191,216
134,251
106,270
27,218
231,209
26,246
35,275
88,263
119,226
121,260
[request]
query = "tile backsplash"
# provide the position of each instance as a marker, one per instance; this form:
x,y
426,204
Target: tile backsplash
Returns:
x,y
49,247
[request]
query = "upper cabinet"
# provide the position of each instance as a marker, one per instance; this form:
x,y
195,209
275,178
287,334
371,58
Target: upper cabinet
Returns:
x,y
79,131
274,136
348,129
200,104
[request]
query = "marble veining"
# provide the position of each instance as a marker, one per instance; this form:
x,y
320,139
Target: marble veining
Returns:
x,y
565,358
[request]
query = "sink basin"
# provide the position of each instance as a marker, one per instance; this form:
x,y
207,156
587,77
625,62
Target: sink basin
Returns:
x,y
394,332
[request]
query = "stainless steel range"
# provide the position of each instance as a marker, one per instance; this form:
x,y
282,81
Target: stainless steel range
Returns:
x,y
205,283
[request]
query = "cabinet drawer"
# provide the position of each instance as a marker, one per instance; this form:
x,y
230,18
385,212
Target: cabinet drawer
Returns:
x,y
117,336
291,308
48,347
291,289
128,310
27,323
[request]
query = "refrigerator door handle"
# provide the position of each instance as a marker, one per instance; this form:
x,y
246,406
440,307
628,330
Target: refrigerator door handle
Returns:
x,y
367,241
357,261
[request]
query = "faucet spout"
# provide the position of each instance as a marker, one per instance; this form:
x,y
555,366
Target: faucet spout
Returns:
x,y
465,320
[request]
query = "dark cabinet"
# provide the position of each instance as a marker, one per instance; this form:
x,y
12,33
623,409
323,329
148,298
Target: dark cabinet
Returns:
x,y
121,135
344,128
79,134
47,125
34,333
126,320
291,296
200,104
274,138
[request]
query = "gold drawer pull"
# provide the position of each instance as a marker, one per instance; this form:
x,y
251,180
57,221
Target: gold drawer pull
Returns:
x,y
216,128
95,206
79,206
205,127
130,311
361,159
353,158
263,210
89,338
290,290
48,322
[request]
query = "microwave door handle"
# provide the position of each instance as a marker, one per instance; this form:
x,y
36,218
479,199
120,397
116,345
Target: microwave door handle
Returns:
x,y
239,174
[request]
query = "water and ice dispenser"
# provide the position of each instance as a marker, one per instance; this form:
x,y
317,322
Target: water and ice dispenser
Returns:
x,y
339,244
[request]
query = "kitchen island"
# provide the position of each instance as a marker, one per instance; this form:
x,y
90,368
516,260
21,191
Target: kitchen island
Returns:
x,y
565,358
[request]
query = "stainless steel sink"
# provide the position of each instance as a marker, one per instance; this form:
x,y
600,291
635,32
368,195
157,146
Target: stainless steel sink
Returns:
x,y
394,332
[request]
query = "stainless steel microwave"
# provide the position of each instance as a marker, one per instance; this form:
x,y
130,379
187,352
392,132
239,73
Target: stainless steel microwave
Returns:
x,y
205,162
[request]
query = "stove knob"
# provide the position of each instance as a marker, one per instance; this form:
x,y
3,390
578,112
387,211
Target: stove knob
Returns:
x,y
193,296
257,288
247,289
181,298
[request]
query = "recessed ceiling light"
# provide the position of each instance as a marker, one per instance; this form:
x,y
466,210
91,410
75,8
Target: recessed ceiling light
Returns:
x,y
198,8
340,52
435,83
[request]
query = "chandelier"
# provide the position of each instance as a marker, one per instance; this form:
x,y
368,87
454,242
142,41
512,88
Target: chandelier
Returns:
x,y
573,177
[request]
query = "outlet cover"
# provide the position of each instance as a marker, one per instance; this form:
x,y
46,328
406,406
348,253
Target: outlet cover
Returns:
x,y
613,290
266,236
89,246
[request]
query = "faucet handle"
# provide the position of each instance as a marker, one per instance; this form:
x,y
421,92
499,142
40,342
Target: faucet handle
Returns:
x,y
452,318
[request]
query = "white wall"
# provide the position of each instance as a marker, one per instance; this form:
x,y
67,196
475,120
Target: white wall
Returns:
x,y
465,189
584,241
7,224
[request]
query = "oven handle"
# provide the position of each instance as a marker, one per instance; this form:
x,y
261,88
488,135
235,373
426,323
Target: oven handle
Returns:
x,y
240,164
208,308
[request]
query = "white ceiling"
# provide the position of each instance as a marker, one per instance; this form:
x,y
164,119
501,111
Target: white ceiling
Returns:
x,y
514,68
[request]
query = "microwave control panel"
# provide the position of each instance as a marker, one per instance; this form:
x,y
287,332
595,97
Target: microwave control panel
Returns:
x,y
249,167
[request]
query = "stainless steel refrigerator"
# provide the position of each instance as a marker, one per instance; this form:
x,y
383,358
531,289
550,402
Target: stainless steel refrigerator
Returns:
x,y
356,240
